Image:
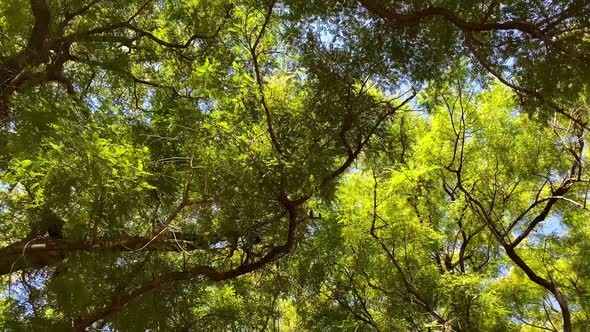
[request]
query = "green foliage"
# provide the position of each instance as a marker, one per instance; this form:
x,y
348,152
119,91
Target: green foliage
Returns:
x,y
261,165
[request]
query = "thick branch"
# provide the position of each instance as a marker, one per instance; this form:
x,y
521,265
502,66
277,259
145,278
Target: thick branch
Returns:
x,y
45,252
562,190
37,48
415,18
199,271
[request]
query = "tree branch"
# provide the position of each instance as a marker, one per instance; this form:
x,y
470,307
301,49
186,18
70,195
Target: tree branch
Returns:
x,y
36,49
208,272
43,252
415,18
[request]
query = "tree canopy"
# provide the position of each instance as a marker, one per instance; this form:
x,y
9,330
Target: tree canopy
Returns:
x,y
266,165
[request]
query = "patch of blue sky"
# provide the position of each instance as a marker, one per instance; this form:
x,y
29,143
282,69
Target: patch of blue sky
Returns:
x,y
552,227
18,291
219,245
206,106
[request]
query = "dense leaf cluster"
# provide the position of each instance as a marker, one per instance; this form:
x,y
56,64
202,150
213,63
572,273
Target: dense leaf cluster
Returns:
x,y
263,165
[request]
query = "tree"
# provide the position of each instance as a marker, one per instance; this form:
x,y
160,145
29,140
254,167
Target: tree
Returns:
x,y
447,239
163,158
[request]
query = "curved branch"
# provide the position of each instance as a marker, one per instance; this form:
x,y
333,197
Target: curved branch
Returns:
x,y
208,272
415,18
518,89
352,156
68,17
556,196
